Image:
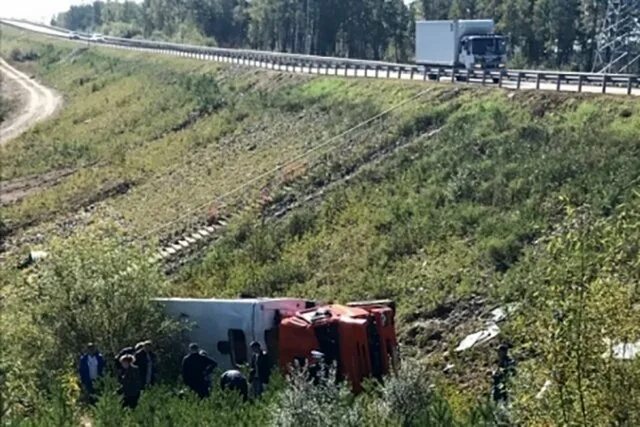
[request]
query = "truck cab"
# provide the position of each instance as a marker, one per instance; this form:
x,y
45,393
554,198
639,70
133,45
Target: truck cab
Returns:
x,y
358,338
485,52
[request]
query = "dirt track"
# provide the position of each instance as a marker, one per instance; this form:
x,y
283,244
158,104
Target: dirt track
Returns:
x,y
38,103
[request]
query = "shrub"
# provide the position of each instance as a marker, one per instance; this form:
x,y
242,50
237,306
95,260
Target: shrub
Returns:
x,y
316,405
21,56
90,288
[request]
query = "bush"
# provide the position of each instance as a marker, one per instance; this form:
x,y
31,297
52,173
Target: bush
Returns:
x,y
21,56
90,288
325,404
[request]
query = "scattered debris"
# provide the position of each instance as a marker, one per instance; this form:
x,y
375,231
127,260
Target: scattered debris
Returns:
x,y
32,258
501,313
622,351
491,330
498,315
544,389
478,338
448,368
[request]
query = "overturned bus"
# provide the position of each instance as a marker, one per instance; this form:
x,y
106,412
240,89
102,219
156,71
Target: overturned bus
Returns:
x,y
359,337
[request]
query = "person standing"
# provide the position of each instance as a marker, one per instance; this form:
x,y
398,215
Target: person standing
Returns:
x,y
122,352
90,368
233,380
129,379
260,369
317,367
501,376
146,363
195,369
208,378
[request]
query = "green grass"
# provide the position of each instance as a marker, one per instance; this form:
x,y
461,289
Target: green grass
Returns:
x,y
180,132
475,213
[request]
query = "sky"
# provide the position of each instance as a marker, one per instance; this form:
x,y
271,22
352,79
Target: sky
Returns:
x,y
36,10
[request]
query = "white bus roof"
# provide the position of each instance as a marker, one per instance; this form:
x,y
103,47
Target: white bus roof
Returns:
x,y
230,300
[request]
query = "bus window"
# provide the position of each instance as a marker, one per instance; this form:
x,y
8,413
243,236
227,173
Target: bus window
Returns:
x,y
238,345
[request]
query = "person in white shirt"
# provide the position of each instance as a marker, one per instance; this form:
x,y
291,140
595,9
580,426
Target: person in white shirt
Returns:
x,y
91,367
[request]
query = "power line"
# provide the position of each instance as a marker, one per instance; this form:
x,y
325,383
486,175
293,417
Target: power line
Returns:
x,y
284,165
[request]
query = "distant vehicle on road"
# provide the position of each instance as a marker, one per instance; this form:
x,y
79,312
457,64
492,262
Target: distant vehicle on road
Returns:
x,y
460,44
97,37
74,36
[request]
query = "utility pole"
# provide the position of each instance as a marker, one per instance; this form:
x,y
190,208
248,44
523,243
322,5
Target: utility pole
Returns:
x,y
618,42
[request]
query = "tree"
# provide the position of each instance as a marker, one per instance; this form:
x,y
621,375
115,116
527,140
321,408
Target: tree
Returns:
x,y
90,288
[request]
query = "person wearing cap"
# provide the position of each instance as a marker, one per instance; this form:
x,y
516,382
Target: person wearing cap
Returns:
x,y
260,369
90,368
195,369
316,367
126,350
146,362
129,379
234,380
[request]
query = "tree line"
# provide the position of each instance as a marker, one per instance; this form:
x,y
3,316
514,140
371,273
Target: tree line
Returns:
x,y
543,33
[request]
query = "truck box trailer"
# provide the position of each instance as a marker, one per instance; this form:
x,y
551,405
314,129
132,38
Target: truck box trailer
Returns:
x,y
460,43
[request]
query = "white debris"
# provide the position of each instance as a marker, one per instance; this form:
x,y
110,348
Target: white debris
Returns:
x,y
498,315
543,390
622,351
38,255
479,337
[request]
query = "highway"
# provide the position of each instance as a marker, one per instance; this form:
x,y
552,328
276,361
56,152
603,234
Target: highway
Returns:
x,y
562,81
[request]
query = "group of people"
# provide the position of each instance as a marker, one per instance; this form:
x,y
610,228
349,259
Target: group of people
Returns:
x,y
136,369
197,368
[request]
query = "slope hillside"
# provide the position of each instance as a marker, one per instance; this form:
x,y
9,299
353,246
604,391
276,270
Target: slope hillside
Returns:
x,y
456,201
145,139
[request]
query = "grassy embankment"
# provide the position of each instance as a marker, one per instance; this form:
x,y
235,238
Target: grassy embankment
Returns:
x,y
174,134
482,214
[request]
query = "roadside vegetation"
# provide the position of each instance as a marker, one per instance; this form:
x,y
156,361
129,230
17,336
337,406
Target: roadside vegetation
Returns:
x,y
7,105
557,34
524,198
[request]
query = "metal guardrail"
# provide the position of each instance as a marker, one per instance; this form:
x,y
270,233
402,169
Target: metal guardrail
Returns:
x,y
367,68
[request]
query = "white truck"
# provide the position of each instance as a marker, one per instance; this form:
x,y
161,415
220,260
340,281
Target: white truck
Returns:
x,y
467,44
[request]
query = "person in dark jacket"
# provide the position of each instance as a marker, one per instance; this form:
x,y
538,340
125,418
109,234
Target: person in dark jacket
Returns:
x,y
317,368
129,379
208,378
260,369
233,380
502,375
146,363
195,369
90,368
122,352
